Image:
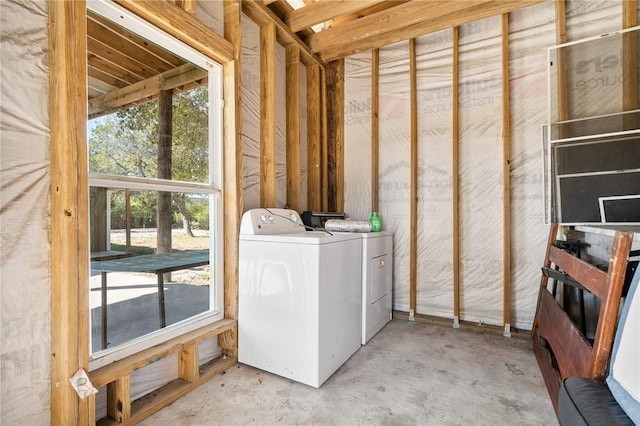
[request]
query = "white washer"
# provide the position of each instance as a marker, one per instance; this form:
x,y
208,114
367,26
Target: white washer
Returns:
x,y
299,296
377,279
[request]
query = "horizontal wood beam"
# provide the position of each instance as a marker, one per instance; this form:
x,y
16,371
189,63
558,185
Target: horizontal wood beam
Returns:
x,y
403,22
146,89
181,25
318,12
262,15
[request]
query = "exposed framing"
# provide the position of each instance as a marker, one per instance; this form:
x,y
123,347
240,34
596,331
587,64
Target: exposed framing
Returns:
x,y
293,126
335,135
455,174
413,233
233,180
69,219
69,209
314,138
267,115
375,129
506,179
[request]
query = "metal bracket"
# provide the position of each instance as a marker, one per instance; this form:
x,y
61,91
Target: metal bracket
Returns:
x,y
412,315
507,330
456,322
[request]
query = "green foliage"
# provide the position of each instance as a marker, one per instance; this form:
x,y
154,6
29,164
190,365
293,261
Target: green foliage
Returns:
x,y
199,212
125,143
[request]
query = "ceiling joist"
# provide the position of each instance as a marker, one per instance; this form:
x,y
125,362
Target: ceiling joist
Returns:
x,y
369,32
319,12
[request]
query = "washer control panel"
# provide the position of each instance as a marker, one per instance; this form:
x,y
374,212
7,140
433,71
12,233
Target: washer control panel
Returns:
x,y
271,221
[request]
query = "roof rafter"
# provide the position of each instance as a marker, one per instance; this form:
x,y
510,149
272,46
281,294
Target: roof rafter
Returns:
x,y
393,25
318,12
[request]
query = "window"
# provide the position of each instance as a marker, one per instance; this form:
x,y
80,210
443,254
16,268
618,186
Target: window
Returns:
x,y
155,164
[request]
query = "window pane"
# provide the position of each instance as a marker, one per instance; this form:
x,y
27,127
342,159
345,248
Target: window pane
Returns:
x,y
143,252
128,142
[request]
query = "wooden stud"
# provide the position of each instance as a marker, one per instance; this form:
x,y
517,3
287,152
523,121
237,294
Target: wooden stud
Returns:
x,y
325,141
119,399
69,209
375,129
261,15
188,362
455,133
413,211
179,24
268,115
293,127
406,21
335,133
314,140
232,121
506,179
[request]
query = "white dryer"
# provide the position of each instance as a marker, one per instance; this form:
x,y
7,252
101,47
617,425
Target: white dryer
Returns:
x,y
299,296
377,279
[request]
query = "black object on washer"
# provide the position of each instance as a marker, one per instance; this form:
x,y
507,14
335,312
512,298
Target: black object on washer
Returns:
x,y
318,219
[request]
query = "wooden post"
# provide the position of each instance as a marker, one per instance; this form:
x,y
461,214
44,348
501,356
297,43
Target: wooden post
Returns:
x,y
293,127
69,210
119,399
375,129
455,180
413,212
335,135
188,359
233,187
506,179
325,141
268,115
314,138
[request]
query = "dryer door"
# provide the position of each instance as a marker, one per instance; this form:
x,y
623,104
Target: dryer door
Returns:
x,y
380,276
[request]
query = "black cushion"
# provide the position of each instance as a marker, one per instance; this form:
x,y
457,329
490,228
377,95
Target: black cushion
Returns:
x,y
587,402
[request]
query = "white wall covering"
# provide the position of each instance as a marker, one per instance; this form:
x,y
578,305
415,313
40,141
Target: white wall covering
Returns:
x,y
480,109
250,113
435,245
281,126
211,13
357,136
531,32
395,132
25,283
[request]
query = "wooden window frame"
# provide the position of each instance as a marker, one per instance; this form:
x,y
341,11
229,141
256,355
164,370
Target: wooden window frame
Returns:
x,y
70,216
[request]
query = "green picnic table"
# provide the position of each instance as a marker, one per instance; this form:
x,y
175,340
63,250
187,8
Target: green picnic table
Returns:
x,y
159,264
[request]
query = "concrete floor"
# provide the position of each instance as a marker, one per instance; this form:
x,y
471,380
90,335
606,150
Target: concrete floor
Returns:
x,y
408,374
133,306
